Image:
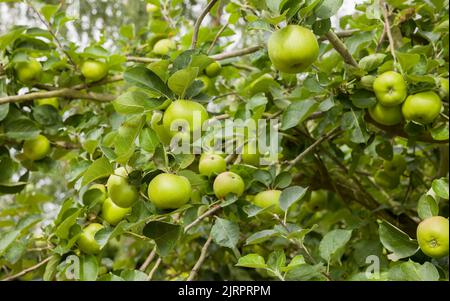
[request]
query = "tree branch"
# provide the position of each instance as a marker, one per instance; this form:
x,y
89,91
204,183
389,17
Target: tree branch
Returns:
x,y
155,267
388,31
145,60
199,21
27,270
324,138
200,260
207,213
341,48
240,52
222,29
148,259
64,92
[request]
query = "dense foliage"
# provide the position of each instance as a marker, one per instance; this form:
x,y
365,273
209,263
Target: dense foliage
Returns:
x,y
92,189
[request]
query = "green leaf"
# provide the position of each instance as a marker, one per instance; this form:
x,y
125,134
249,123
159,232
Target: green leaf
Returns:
x,y
396,241
297,112
363,99
6,239
332,244
100,168
164,234
412,271
440,187
385,150
252,261
8,38
181,80
225,233
372,61
48,11
63,229
427,207
133,275
276,261
305,272
260,237
21,129
15,251
124,141
283,180
440,132
327,8
148,140
51,268
46,115
291,195
88,268
4,110
104,235
135,102
353,121
147,79
407,60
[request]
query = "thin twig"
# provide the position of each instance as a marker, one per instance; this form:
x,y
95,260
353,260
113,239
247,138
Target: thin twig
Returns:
x,y
148,259
50,30
155,267
341,48
199,21
326,137
64,92
388,30
141,59
200,260
207,213
27,270
213,43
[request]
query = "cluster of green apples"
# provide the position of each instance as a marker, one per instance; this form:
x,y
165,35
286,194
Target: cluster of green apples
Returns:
x,y
389,176
394,104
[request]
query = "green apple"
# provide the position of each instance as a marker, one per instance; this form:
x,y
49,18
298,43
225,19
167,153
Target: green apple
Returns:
x,y
386,180
94,70
169,191
213,69
250,154
318,200
422,107
367,82
228,182
163,46
112,213
432,235
269,198
207,83
396,166
53,101
36,148
152,8
95,193
386,115
86,241
211,164
187,111
390,88
293,49
29,71
120,191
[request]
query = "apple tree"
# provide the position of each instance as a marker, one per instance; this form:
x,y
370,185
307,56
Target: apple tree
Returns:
x,y
93,185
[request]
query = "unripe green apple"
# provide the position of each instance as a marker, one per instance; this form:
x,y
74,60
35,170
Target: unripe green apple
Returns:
x,y
112,213
386,115
269,198
432,235
318,200
86,241
36,148
386,180
152,8
422,107
207,83
120,191
96,192
390,88
53,101
228,182
293,49
169,191
396,166
185,110
213,69
163,46
29,71
94,70
250,154
367,82
211,164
